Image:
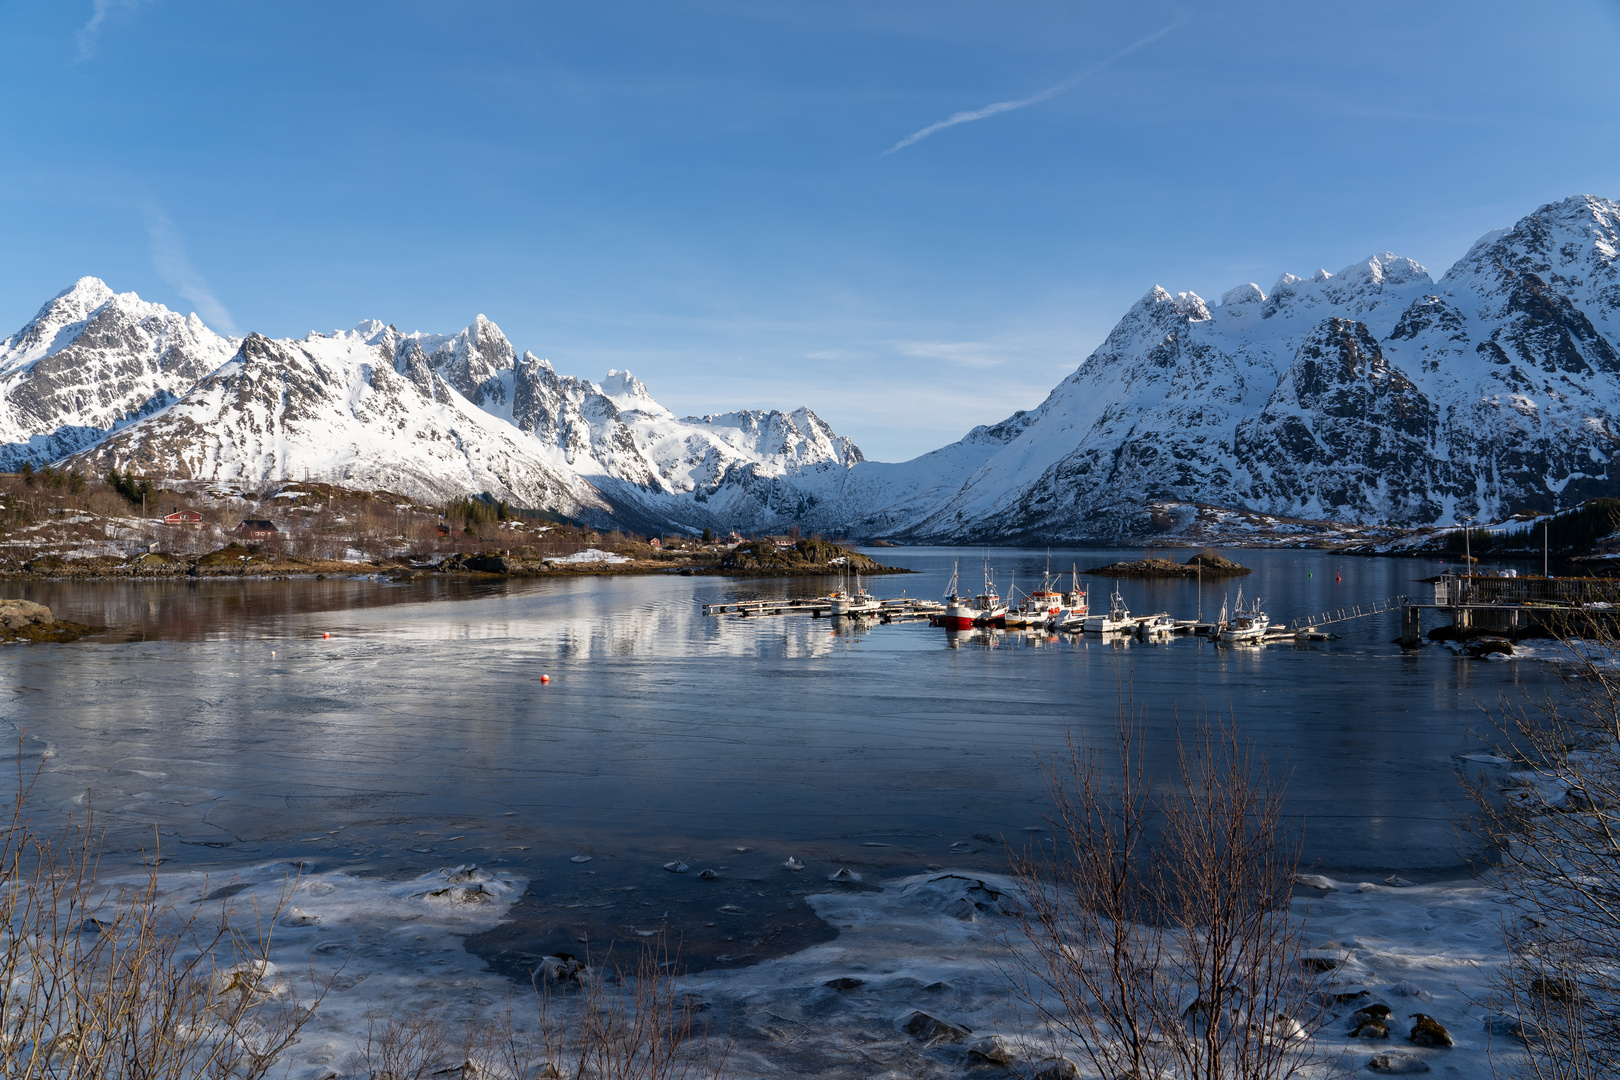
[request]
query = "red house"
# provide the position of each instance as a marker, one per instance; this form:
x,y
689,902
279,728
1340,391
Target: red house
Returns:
x,y
188,518
256,529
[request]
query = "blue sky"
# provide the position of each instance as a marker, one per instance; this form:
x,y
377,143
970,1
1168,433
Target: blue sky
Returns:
x,y
709,193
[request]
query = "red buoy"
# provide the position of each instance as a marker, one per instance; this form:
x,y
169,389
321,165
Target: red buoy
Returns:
x,y
326,635
545,678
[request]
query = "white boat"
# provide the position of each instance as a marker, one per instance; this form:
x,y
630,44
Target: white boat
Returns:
x,y
1250,625
1117,620
852,604
1156,628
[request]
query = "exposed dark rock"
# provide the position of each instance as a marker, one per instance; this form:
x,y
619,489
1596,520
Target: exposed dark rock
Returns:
x,y
931,1030
1427,1031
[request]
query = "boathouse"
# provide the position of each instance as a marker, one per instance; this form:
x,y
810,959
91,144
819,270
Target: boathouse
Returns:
x,y
1513,606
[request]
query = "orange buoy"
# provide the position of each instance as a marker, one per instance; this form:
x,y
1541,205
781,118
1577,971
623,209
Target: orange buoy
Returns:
x,y
545,678
326,635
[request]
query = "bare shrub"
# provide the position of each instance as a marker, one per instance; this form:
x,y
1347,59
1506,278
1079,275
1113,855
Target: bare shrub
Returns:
x,y
107,984
1557,828
405,1048
1160,939
614,1022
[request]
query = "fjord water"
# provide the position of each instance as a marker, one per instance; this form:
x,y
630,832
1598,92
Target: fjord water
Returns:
x,y
213,721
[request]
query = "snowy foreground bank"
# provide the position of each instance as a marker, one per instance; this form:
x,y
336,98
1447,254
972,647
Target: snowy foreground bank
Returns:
x,y
848,1007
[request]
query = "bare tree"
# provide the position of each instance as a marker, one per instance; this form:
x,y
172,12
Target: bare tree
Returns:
x,y
1160,939
1556,824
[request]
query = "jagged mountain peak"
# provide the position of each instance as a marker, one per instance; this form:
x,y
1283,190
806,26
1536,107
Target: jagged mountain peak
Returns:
x,y
1243,295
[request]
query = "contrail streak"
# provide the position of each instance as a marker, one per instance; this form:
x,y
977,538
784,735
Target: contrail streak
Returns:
x,y
1043,95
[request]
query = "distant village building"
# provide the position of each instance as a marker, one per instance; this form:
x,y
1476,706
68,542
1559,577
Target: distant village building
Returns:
x,y
256,529
655,542
782,541
188,518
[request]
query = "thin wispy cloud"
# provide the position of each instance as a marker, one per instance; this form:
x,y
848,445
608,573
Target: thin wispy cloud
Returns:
x,y
1050,92
969,354
100,12
172,264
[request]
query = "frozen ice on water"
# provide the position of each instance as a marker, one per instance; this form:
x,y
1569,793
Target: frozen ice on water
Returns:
x,y
297,917
676,867
844,875
580,859
793,863
1315,881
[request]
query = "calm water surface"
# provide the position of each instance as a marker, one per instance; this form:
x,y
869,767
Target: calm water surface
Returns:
x,y
213,720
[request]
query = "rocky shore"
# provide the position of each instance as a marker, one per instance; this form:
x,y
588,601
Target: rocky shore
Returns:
x,y
763,558
24,620
1208,564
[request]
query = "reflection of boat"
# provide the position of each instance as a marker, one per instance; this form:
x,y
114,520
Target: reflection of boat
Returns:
x,y
1116,620
1248,625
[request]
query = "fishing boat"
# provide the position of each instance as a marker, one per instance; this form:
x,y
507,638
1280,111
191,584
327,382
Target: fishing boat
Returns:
x,y
1249,625
960,612
852,604
1156,628
991,607
1117,620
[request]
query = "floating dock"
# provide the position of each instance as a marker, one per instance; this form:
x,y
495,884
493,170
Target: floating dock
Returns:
x,y
820,607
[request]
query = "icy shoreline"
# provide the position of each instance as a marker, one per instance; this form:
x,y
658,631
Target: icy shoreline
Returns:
x,y
922,943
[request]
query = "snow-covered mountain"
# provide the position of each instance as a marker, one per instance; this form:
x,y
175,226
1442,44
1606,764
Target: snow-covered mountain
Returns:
x,y
131,385
1374,395
92,361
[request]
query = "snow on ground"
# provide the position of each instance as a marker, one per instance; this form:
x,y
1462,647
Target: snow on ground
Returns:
x,y
928,942
387,948
590,555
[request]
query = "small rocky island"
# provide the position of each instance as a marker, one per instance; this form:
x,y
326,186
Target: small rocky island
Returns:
x,y
772,558
1207,563
24,620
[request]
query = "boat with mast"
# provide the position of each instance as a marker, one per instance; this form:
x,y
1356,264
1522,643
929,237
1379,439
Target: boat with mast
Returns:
x,y
1250,625
852,604
1117,620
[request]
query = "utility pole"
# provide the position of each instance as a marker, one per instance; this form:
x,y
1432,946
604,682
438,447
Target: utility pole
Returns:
x,y
1544,548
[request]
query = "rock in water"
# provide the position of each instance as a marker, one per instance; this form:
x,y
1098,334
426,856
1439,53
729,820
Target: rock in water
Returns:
x,y
1060,1069
1369,1027
18,614
707,875
1398,1064
992,1049
1427,1031
931,1029
676,867
793,863
844,876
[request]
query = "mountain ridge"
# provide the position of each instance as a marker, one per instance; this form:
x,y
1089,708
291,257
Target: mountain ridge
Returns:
x,y
1377,394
